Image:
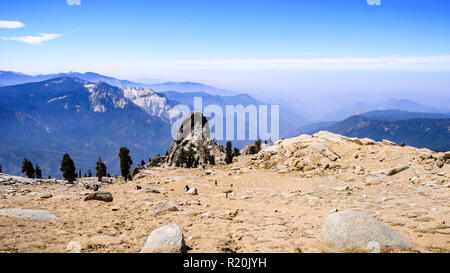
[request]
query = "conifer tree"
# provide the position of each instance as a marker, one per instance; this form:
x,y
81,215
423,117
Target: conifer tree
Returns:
x,y
228,153
27,168
125,162
38,172
68,168
257,146
101,169
236,152
1,169
89,173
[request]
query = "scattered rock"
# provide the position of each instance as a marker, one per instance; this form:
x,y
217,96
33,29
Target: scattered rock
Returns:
x,y
396,170
29,214
100,196
166,239
192,191
206,214
46,196
164,206
343,188
148,190
350,231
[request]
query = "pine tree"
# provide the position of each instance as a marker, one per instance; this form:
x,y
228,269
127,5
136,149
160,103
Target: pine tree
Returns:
x,y
257,146
68,168
101,169
79,173
125,162
1,169
142,162
38,172
228,153
236,152
27,168
89,173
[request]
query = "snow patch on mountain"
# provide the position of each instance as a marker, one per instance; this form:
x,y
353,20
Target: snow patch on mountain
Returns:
x,y
103,94
151,102
58,98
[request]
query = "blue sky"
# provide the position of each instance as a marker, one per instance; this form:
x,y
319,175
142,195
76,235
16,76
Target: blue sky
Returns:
x,y
248,45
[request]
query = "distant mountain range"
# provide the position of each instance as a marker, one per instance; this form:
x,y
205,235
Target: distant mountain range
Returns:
x,y
41,121
13,78
190,87
423,130
388,104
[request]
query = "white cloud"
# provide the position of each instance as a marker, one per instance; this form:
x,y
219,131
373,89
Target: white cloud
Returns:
x,y
74,2
33,40
11,24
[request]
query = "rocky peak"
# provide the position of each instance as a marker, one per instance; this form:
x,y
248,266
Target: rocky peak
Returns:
x,y
193,139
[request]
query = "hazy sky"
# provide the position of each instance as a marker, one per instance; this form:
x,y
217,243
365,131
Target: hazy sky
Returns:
x,y
314,47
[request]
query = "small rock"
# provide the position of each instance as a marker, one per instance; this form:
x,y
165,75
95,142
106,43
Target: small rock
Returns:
x,y
192,191
344,188
166,239
100,196
73,247
206,214
148,190
164,206
396,170
46,196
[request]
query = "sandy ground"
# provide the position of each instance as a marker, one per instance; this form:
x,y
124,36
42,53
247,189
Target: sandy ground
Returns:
x,y
284,213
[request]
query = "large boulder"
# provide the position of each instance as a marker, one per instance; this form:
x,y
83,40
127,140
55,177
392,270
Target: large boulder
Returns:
x,y
29,214
350,231
166,239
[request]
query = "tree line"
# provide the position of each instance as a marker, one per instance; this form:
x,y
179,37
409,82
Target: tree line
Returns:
x,y
70,173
